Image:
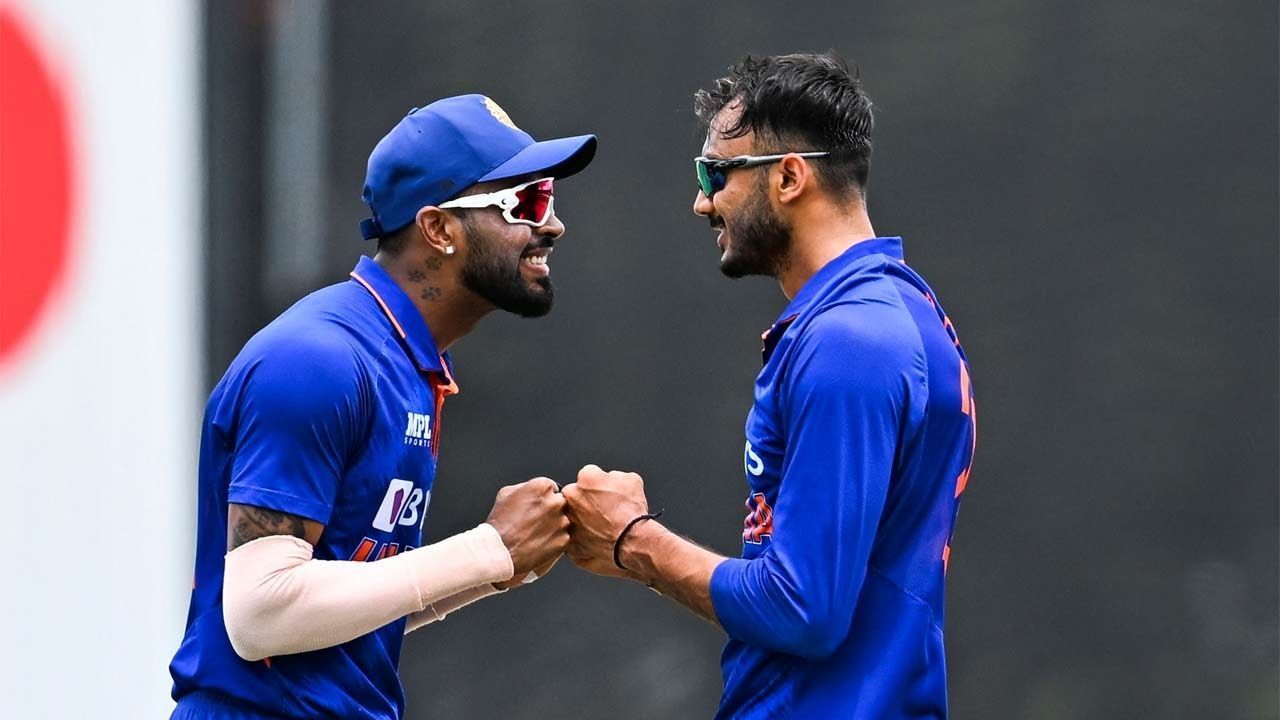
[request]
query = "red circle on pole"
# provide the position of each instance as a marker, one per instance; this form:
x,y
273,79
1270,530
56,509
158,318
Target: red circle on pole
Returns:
x,y
35,183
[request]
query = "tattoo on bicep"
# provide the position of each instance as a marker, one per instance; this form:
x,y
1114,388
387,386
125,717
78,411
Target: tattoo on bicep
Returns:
x,y
431,293
255,522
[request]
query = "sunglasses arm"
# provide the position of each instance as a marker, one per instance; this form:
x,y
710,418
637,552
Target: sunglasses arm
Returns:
x,y
478,201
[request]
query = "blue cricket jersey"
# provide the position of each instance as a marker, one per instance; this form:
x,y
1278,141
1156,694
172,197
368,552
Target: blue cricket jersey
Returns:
x,y
332,413
858,447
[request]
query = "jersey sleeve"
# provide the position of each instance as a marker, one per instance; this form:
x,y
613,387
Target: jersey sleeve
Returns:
x,y
843,403
301,411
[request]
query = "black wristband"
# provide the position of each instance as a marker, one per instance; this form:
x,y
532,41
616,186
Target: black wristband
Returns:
x,y
617,544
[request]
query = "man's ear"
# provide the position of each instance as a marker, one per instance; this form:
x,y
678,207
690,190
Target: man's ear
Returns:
x,y
439,230
794,178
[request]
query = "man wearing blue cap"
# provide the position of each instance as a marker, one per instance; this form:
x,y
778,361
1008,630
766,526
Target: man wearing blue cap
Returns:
x,y
319,445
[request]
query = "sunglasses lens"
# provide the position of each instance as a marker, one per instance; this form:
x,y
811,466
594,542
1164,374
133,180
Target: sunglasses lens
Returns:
x,y
710,181
534,202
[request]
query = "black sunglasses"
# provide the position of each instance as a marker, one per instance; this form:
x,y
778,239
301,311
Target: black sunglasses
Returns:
x,y
713,173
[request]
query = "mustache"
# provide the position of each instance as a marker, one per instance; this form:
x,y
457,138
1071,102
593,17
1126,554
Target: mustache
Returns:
x,y
717,222
544,243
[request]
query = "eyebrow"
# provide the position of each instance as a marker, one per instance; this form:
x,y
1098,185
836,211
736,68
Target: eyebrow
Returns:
x,y
710,154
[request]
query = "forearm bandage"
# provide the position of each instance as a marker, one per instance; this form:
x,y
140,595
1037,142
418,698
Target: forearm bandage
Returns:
x,y
440,608
278,600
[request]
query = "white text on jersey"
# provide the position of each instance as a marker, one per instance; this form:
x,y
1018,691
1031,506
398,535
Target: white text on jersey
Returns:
x,y
418,432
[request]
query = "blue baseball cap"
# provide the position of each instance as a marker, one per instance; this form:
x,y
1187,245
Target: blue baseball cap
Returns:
x,y
438,151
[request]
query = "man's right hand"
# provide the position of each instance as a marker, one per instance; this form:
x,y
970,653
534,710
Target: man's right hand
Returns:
x,y
530,518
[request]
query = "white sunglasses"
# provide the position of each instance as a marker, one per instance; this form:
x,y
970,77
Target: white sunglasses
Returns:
x,y
526,204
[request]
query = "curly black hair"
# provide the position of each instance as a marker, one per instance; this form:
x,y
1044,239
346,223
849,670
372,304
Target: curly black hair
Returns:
x,y
802,101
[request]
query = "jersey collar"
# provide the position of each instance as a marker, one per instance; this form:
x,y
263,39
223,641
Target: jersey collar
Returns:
x,y
404,317
815,288
838,269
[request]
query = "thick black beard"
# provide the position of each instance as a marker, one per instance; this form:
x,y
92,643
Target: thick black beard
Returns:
x,y
761,241
496,277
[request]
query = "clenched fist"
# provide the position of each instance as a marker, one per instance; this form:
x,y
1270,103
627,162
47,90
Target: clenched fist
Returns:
x,y
530,518
600,505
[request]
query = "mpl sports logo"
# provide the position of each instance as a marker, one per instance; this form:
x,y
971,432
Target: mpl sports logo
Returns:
x,y
418,431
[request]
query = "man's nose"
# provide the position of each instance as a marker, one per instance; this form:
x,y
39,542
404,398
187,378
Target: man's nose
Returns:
x,y
702,204
552,228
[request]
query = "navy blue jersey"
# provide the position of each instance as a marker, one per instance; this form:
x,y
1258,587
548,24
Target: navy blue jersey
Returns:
x,y
332,413
858,447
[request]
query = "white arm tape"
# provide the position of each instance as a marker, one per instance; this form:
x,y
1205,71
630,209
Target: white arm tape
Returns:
x,y
278,600
437,610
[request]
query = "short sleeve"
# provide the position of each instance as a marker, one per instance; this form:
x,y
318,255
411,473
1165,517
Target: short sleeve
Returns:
x,y
299,417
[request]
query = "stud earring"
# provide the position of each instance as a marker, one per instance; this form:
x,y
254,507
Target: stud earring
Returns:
x,y
448,250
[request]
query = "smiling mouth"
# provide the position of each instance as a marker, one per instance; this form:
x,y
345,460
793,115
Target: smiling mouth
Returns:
x,y
536,260
719,228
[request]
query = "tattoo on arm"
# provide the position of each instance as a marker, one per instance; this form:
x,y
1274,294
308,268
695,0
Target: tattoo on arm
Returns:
x,y
247,522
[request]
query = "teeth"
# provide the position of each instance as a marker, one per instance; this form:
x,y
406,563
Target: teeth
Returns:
x,y
536,260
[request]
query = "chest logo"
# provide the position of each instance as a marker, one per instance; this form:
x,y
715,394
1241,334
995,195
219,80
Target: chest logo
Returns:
x,y
418,431
754,465
403,504
759,522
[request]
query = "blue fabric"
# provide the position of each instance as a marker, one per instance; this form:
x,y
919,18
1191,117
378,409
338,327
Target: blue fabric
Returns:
x,y
203,705
861,430
438,151
331,414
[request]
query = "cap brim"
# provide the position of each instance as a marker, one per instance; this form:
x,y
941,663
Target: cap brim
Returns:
x,y
558,158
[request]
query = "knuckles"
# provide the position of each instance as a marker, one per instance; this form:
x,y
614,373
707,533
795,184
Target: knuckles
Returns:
x,y
543,485
591,477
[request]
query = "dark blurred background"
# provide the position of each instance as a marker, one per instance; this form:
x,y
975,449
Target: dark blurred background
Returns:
x,y
1090,187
